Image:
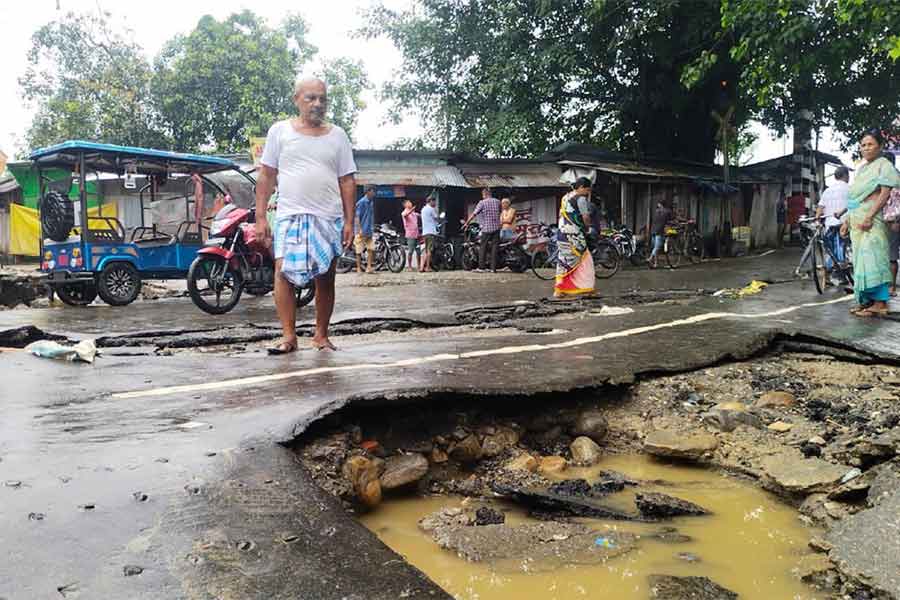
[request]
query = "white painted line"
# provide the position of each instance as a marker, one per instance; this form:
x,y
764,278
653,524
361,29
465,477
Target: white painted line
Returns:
x,y
582,341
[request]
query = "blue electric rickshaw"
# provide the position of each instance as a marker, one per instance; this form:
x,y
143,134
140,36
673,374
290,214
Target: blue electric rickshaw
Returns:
x,y
97,254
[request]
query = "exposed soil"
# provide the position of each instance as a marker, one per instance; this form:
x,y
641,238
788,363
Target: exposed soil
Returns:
x,y
818,431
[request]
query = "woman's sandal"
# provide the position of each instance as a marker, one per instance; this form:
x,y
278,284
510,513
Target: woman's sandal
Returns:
x,y
859,308
872,312
283,348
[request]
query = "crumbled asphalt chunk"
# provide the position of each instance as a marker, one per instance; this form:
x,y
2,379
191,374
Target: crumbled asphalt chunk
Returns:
x,y
486,515
132,570
652,504
571,487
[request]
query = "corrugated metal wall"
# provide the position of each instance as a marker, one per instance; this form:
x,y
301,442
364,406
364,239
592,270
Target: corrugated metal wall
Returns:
x,y
4,231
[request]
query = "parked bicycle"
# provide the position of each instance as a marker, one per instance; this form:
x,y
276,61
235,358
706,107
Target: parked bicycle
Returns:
x,y
683,240
818,254
607,258
545,255
388,253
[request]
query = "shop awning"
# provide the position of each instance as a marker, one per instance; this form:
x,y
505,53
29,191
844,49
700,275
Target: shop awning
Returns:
x,y
424,176
513,175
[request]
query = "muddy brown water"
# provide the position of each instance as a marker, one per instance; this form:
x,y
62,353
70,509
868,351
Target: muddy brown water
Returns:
x,y
750,544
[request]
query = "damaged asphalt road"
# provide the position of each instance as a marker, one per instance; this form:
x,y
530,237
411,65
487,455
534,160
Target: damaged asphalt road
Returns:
x,y
228,511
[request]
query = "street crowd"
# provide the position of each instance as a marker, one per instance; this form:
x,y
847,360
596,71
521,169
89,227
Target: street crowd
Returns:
x,y
312,164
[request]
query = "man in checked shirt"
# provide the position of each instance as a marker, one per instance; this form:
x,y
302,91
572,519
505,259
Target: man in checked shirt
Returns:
x,y
488,213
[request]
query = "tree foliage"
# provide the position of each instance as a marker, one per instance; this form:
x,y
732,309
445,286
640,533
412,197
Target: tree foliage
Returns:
x,y
347,80
224,81
835,58
208,89
519,76
86,81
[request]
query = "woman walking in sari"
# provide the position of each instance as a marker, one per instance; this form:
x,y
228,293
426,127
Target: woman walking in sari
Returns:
x,y
574,267
868,232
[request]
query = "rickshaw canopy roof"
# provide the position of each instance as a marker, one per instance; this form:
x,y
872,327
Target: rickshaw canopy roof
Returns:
x,y
109,158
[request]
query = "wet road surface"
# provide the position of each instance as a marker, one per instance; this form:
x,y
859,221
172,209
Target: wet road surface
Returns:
x,y
227,512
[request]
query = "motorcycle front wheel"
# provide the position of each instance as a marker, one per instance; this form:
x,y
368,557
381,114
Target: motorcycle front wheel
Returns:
x,y
470,258
214,286
517,260
396,259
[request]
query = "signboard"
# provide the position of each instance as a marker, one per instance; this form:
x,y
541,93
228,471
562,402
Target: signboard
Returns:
x,y
256,149
392,191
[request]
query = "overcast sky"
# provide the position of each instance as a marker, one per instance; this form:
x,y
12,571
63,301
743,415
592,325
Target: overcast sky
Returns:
x,y
155,22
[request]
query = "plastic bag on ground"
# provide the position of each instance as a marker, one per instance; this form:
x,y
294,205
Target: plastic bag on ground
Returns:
x,y
83,351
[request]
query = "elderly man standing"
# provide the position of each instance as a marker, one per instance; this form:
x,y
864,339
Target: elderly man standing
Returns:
x,y
312,162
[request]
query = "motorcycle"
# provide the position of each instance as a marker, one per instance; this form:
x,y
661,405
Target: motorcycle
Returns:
x,y
232,261
628,246
510,253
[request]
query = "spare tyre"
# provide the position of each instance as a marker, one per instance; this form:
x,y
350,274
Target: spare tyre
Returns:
x,y
57,216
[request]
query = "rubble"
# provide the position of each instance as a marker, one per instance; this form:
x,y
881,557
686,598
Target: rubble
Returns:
x,y
661,506
669,444
669,587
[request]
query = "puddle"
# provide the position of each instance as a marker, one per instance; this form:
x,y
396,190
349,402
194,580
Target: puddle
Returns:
x,y
749,545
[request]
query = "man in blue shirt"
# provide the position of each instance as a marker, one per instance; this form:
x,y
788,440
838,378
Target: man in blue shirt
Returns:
x,y
429,230
364,240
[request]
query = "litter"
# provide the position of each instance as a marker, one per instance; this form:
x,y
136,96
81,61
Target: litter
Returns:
x,y
754,287
83,351
604,542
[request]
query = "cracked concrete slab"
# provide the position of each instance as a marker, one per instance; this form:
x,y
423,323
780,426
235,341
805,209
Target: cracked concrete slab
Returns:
x,y
72,438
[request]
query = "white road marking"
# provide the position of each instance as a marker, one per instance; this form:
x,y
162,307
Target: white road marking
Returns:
x,y
582,341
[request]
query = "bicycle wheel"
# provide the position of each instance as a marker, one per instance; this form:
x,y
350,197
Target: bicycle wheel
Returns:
x,y
640,255
817,263
607,259
695,248
546,268
674,250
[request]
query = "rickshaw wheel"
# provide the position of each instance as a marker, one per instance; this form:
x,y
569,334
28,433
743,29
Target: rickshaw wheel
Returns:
x,y
119,283
76,294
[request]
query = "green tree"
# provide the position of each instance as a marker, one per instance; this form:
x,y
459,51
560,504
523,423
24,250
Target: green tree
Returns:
x,y
227,80
834,58
86,81
516,77
346,80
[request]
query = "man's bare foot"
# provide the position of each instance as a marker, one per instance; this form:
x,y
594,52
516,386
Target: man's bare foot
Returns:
x,y
284,347
323,344
358,270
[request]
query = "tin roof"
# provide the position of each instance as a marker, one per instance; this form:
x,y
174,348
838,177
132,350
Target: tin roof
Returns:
x,y
110,158
513,174
412,175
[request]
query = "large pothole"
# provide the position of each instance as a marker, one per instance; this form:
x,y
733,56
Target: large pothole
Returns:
x,y
777,449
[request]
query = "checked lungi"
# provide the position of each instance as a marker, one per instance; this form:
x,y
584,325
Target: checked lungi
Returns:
x,y
307,245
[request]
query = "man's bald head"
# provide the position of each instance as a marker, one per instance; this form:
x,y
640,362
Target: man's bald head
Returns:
x,y
305,81
311,99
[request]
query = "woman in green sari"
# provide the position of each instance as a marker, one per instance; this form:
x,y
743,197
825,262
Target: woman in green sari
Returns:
x,y
868,232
